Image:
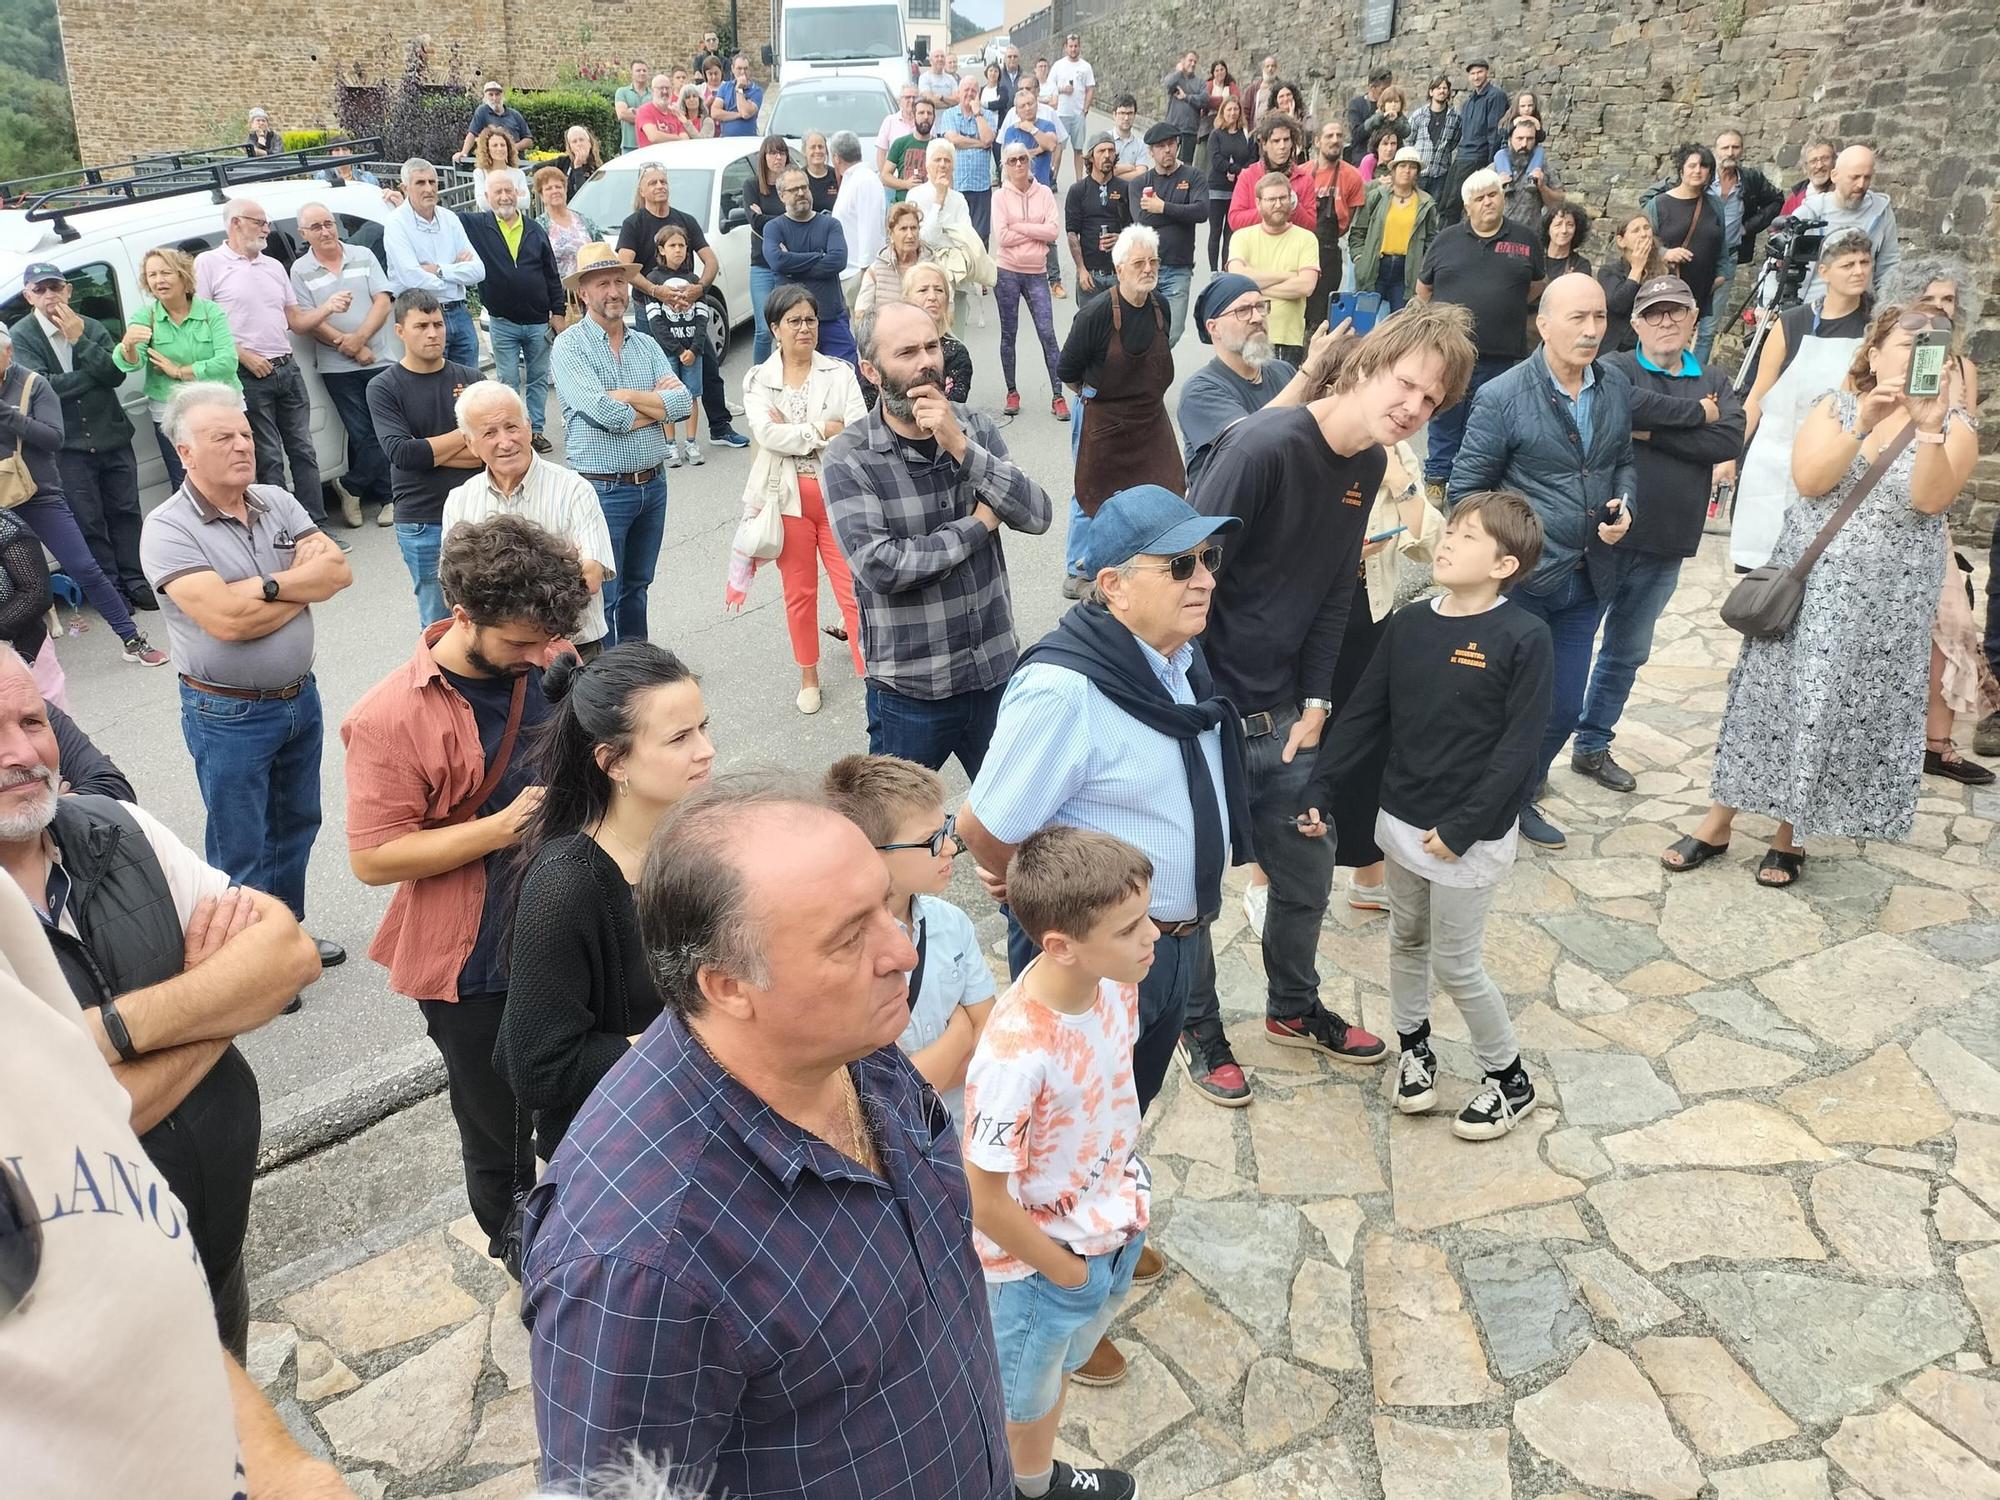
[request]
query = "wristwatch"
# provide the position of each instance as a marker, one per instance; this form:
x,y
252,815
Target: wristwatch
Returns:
x,y
115,1031
1324,705
270,589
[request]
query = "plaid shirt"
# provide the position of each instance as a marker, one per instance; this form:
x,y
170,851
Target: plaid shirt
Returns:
x,y
936,616
598,435
711,1283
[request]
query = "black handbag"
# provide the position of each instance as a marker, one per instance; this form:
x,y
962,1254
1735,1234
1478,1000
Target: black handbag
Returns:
x,y
1765,602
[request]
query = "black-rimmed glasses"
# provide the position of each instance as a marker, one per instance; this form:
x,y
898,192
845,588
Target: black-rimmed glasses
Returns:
x,y
20,1241
935,843
1181,568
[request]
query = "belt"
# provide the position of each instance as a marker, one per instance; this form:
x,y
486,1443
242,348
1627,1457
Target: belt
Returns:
x,y
1255,725
252,695
275,361
1386,256
1179,929
641,476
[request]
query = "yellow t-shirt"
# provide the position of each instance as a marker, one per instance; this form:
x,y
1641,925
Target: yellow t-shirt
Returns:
x,y
1398,225
1291,251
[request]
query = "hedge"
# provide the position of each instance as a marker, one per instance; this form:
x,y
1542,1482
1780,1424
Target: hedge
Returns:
x,y
308,140
552,112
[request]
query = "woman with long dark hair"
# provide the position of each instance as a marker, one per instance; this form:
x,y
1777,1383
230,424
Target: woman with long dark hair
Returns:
x,y
761,201
626,738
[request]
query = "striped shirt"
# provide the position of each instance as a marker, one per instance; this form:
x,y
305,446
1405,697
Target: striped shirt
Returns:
x,y
559,501
598,435
711,1283
1062,752
937,619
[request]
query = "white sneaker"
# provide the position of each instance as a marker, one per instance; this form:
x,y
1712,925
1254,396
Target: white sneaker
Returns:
x,y
1256,900
673,458
690,454
808,700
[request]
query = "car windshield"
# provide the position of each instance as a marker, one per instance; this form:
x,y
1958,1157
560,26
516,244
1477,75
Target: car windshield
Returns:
x,y
833,33
606,200
802,107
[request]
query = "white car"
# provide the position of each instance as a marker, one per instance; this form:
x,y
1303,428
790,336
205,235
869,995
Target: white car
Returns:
x,y
859,102
707,180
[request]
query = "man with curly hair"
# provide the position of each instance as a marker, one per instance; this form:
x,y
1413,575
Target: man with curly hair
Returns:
x,y
436,797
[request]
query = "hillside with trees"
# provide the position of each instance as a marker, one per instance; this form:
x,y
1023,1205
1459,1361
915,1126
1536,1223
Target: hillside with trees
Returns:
x,y
37,132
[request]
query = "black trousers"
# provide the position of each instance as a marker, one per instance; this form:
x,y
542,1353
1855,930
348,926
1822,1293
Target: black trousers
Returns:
x,y
103,490
494,1134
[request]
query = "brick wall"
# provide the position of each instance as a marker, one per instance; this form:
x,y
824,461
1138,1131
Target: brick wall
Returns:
x,y
1622,83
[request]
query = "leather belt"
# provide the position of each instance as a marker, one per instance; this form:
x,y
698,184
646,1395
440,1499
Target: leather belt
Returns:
x,y
1179,929
251,695
1255,725
276,362
642,476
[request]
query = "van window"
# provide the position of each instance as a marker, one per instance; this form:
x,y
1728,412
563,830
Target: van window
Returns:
x,y
286,244
93,291
834,33
735,182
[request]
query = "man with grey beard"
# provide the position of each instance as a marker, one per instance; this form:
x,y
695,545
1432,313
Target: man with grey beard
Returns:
x,y
169,962
1245,376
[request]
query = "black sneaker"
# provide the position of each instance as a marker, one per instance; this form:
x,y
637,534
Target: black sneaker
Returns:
x,y
1414,1090
1213,1071
1074,586
1097,1484
1322,1031
1602,769
1495,1110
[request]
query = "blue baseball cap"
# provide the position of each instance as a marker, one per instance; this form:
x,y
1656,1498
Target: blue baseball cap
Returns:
x,y
1147,519
41,271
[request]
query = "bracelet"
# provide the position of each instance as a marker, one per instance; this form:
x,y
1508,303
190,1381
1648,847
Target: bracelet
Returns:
x,y
1925,436
115,1031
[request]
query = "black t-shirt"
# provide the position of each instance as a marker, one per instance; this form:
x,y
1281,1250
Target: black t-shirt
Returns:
x,y
642,229
1804,322
1489,276
485,971
1185,192
825,189
1089,342
1091,210
763,208
407,407
1677,216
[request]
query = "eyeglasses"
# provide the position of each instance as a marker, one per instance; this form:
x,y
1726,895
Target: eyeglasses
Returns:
x,y
935,843
48,286
802,320
1181,568
1251,310
254,223
1663,312
20,1241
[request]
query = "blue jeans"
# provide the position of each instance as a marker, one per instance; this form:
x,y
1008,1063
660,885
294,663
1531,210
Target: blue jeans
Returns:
x,y
1448,427
930,731
1389,282
1079,523
170,455
420,542
836,340
367,475
48,515
762,280
1173,288
461,335
637,517
1042,1331
521,360
1645,584
258,768
1571,609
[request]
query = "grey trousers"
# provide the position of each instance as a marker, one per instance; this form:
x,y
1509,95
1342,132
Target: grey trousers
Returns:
x,y
1441,930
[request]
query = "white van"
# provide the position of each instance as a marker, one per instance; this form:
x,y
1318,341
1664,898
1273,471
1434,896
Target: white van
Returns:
x,y
842,36
101,251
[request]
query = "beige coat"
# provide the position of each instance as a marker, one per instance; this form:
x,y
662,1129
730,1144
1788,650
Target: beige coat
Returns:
x,y
832,393
1419,545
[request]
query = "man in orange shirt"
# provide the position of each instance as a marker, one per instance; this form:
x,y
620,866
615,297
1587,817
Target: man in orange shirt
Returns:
x,y
1338,192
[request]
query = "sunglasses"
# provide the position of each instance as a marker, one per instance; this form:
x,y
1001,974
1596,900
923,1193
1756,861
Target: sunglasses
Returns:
x,y
20,1242
935,843
1916,322
1181,568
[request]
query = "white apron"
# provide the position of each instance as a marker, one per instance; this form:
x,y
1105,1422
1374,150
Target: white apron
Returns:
x,y
1764,487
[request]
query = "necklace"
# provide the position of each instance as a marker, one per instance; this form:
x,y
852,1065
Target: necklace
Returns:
x,y
860,1147
636,851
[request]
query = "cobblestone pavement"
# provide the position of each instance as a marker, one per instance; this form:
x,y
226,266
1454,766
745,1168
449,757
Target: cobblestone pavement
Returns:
x,y
1747,1249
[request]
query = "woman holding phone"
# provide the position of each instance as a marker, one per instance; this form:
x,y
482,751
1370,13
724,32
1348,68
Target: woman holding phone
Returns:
x,y
175,338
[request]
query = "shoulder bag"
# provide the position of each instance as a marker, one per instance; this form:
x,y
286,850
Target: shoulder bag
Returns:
x,y
17,485
1765,602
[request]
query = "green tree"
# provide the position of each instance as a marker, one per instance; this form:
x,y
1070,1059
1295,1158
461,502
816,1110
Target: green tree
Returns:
x,y
37,129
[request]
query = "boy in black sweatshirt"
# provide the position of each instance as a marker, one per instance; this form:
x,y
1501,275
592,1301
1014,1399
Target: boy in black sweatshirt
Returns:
x,y
1459,689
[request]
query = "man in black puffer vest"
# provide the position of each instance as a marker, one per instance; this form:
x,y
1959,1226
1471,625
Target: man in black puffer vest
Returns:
x,y
169,963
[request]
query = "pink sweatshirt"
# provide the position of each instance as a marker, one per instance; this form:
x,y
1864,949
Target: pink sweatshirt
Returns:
x,y
1024,226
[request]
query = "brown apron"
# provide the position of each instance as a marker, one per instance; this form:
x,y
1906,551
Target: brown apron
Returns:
x,y
1127,437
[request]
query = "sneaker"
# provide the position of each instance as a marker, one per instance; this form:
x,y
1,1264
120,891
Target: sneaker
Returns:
x,y
1322,1031
1602,769
1539,831
1494,1111
1011,407
673,458
139,594
1256,902
1365,897
541,444
1059,409
1434,492
691,453
1073,586
1986,738
144,653
729,437
386,516
1415,1089
1213,1070
1095,1484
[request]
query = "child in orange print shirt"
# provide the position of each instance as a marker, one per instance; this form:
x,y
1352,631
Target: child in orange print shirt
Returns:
x,y
1060,1199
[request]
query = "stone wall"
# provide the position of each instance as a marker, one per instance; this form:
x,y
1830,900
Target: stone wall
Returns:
x,y
1621,84
240,53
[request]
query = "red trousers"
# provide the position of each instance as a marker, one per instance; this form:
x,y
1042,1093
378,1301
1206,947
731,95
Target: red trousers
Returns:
x,y
808,534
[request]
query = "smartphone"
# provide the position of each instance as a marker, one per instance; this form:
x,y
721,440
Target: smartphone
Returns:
x,y
1613,508
1927,358
1383,536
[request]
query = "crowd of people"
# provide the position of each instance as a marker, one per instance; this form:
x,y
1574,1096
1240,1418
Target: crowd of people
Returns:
x,y
798,1196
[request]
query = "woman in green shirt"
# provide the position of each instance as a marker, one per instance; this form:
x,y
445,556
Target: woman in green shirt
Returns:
x,y
176,338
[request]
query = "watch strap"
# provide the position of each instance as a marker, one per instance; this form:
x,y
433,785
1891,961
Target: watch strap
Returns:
x,y
115,1029
1325,705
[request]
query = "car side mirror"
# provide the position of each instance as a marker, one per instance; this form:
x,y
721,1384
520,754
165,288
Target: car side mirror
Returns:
x,y
768,58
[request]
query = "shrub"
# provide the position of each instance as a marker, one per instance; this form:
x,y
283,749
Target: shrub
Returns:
x,y
551,112
307,140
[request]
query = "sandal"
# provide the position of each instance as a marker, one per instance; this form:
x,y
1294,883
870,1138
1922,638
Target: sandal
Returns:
x,y
1791,863
1693,854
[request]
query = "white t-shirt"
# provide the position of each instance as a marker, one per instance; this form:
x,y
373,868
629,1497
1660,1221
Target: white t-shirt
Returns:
x,y
111,1375
1078,76
955,974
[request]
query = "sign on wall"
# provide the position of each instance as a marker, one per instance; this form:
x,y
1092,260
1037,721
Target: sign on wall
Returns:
x,y
1378,20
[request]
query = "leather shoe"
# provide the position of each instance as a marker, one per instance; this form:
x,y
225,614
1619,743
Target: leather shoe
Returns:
x,y
1106,1366
330,954
140,596
1986,738
1151,1267
1602,769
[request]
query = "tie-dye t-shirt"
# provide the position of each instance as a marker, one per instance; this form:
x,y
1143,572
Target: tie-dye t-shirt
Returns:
x,y
1050,1101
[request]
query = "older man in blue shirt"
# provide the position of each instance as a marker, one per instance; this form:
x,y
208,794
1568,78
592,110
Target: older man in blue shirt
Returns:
x,y
424,246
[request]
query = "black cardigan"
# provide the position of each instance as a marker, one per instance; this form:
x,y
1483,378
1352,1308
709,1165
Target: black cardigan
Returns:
x,y
578,983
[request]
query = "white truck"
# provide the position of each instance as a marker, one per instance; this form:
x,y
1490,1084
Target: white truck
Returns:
x,y
841,36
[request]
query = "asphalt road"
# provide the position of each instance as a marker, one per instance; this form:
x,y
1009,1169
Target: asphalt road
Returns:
x,y
354,1038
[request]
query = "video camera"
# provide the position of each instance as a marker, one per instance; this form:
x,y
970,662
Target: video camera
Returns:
x,y
1792,252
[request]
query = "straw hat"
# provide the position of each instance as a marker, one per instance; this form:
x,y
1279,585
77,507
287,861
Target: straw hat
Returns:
x,y
598,256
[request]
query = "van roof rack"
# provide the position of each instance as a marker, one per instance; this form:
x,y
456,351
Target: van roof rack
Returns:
x,y
57,197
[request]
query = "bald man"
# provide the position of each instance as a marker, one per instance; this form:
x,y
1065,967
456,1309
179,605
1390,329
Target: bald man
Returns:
x,y
1523,435
1851,203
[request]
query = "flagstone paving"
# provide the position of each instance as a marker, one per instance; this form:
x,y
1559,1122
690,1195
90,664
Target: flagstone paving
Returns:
x,y
1749,1249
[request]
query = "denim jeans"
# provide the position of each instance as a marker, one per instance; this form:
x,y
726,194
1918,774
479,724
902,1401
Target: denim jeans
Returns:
x,y
280,412
637,517
258,768
103,494
461,335
367,476
930,731
836,341
1645,584
1173,289
762,280
1079,523
49,517
1448,427
521,360
1571,609
170,456
1389,282
1301,871
420,542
